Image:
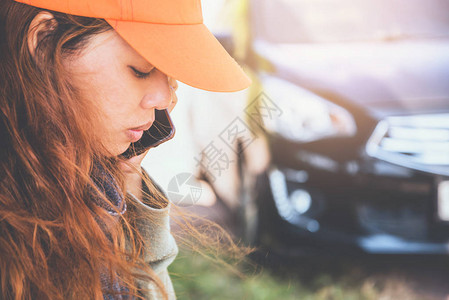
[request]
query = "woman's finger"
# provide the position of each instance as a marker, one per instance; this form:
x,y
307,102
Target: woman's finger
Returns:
x,y
132,164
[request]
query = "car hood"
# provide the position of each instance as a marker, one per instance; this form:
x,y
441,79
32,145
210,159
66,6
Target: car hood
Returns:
x,y
389,78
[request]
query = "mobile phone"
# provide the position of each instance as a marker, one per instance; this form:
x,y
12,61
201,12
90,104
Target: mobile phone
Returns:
x,y
161,131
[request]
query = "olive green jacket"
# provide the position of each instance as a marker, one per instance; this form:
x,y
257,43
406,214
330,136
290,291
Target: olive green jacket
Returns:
x,y
161,248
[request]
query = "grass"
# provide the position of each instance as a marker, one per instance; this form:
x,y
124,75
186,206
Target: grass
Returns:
x,y
195,277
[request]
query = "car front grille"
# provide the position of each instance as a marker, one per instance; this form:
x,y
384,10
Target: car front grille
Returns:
x,y
419,142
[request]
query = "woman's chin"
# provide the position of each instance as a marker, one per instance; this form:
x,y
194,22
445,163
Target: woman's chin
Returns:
x,y
124,148
118,149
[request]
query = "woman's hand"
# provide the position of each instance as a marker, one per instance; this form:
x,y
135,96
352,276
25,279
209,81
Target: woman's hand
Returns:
x,y
133,174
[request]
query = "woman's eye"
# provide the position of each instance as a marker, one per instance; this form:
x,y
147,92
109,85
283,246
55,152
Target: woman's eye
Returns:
x,y
142,75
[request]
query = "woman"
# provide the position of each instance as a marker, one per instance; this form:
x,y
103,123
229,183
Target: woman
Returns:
x,y
80,81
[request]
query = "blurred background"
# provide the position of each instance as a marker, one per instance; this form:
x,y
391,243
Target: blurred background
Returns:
x,y
334,163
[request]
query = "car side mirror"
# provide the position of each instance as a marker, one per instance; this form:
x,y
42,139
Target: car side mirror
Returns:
x,y
227,41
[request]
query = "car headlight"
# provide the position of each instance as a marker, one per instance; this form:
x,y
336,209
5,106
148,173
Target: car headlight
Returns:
x,y
304,116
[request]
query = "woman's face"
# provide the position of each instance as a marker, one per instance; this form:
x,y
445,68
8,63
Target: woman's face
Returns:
x,y
124,87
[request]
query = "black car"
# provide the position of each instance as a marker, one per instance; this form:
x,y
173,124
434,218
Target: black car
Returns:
x,y
358,124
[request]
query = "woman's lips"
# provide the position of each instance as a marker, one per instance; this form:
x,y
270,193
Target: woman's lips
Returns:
x,y
136,133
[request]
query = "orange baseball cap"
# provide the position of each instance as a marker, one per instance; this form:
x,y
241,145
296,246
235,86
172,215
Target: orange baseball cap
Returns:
x,y
170,34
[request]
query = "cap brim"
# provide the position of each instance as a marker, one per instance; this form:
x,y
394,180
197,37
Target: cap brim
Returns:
x,y
189,53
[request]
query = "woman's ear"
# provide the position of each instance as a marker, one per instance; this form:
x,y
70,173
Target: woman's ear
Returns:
x,y
42,23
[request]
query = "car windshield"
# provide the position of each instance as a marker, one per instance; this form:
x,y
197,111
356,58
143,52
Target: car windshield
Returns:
x,y
305,21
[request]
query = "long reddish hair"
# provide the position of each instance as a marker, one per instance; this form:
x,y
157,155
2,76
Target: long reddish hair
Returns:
x,y
52,238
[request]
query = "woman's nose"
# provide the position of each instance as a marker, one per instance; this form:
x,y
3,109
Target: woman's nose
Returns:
x,y
159,94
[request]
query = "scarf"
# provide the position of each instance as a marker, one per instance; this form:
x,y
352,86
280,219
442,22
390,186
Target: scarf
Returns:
x,y
108,186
